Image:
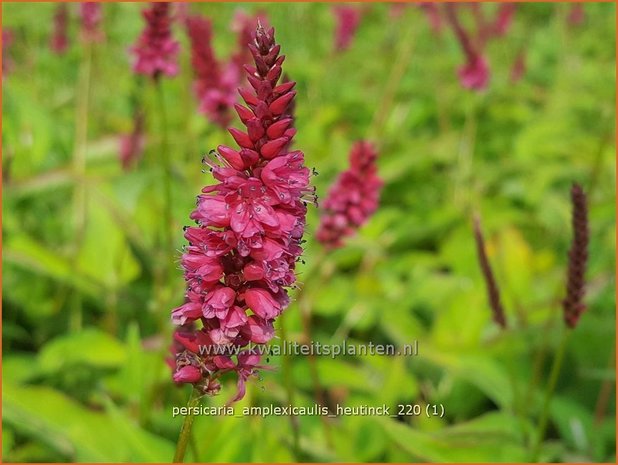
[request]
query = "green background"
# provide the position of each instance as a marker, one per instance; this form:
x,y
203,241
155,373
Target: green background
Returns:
x,y
86,314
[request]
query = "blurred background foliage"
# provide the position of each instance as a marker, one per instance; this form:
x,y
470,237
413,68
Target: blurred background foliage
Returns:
x,y
86,314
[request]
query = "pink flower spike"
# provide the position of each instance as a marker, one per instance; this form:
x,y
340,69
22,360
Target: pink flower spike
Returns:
x,y
214,87
242,254
91,15
352,199
577,14
216,81
59,40
348,19
155,52
474,74
504,18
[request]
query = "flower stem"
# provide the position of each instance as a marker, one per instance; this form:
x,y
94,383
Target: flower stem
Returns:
x,y
304,305
187,424
400,64
79,172
551,386
166,167
463,174
286,370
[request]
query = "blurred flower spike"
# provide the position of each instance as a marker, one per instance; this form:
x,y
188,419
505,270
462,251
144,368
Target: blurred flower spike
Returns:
x,y
573,304
215,81
155,53
91,15
352,199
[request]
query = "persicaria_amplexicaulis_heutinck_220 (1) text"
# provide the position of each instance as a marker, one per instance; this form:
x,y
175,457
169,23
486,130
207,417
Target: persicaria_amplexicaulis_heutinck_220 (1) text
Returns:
x,y
241,255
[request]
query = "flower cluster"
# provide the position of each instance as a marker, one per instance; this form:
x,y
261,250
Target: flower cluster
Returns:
x,y
353,198
216,82
156,50
348,19
474,74
91,15
215,89
59,40
241,255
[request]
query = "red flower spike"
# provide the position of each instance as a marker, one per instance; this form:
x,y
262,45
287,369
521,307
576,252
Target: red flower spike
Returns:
x,y
242,255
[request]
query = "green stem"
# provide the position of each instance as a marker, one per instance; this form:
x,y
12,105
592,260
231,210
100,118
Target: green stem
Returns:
x,y
516,406
286,370
79,173
194,450
166,170
187,424
597,167
403,59
462,189
537,364
551,386
304,306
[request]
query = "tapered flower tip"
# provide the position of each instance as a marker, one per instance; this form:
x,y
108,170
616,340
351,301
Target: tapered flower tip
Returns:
x,y
264,39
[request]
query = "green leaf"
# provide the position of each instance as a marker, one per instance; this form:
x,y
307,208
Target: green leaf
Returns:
x,y
144,446
90,347
105,254
19,367
29,254
483,372
490,438
8,440
85,435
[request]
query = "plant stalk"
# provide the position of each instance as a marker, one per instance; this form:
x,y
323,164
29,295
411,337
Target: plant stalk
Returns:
x,y
289,388
79,173
166,170
402,60
551,386
187,425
